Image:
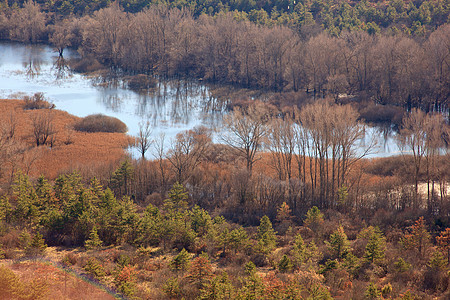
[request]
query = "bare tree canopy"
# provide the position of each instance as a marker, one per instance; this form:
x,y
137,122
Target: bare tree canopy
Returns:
x,y
423,136
187,150
247,130
143,140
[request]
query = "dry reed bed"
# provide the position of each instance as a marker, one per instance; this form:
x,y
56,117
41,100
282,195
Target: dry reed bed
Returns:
x,y
56,284
71,150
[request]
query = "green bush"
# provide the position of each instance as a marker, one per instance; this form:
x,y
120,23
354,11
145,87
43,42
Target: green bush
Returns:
x,y
94,241
125,280
285,264
181,261
372,292
171,288
250,268
94,267
37,246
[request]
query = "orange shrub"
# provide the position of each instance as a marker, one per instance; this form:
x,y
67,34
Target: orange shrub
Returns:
x,y
101,123
37,102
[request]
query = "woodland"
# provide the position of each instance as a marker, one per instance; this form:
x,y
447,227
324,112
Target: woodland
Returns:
x,y
385,67
286,206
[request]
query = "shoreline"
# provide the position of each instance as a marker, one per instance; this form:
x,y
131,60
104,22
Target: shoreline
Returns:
x,y
71,149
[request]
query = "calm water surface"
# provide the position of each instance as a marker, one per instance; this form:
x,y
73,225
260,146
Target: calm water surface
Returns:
x,y
173,106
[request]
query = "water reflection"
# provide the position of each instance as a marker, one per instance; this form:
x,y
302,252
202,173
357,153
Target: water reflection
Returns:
x,y
61,69
171,103
177,102
383,140
171,106
32,63
387,133
112,100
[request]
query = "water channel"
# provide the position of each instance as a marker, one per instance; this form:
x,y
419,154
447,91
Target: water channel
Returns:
x,y
171,107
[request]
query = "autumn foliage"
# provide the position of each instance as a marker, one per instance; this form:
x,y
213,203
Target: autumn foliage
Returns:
x,y
301,219
69,150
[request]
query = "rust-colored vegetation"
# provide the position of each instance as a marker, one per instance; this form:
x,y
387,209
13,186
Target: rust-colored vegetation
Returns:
x,y
100,123
196,222
65,149
42,280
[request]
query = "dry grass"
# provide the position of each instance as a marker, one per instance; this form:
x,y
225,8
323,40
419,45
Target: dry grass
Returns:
x,y
71,150
60,284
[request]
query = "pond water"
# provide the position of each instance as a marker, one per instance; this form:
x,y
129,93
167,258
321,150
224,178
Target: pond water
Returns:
x,y
172,107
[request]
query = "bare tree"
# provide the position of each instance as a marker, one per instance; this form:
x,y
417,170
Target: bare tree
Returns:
x,y
247,129
61,36
413,137
44,131
438,47
359,64
143,141
103,34
9,127
4,25
186,151
329,137
281,144
423,135
11,149
303,151
436,132
324,60
160,154
141,54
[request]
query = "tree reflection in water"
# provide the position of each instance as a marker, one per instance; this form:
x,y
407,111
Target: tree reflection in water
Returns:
x,y
61,69
32,62
171,106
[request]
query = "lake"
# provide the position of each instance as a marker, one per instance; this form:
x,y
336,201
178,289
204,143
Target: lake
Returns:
x,y
171,107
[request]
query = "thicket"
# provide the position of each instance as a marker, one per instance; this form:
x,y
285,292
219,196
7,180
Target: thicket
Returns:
x,y
303,158
37,101
387,68
334,16
177,249
101,123
303,219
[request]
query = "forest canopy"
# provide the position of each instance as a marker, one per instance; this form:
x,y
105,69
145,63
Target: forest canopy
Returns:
x,y
415,17
386,68
285,207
